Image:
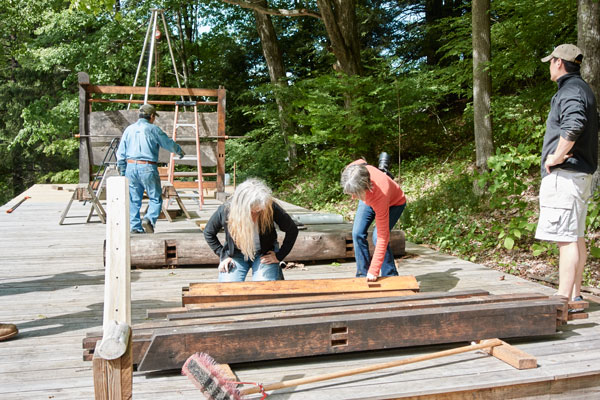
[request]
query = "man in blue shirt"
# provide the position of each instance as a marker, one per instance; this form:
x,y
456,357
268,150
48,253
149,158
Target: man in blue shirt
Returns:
x,y
137,156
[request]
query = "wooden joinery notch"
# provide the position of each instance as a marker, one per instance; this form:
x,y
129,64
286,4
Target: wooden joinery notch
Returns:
x,y
339,335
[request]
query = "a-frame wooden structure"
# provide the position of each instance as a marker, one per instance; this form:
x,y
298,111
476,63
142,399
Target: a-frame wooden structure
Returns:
x,y
95,131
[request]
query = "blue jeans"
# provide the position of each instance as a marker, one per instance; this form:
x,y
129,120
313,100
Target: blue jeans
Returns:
x,y
143,177
364,217
260,272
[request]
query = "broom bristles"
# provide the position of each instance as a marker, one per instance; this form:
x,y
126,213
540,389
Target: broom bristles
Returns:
x,y
207,376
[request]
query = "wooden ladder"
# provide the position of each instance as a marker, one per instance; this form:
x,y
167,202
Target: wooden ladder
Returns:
x,y
198,173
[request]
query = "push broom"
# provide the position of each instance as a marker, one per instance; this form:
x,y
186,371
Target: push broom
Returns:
x,y
203,371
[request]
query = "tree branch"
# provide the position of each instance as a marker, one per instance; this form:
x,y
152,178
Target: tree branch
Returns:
x,y
302,12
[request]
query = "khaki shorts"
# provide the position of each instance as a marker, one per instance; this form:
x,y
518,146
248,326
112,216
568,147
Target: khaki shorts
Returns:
x,y
563,205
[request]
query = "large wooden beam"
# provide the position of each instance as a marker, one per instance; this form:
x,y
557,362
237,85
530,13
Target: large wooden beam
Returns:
x,y
297,301
304,286
297,311
341,327
414,302
253,341
239,291
155,91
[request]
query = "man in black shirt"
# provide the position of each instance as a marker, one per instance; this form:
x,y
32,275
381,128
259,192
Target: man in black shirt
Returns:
x,y
569,158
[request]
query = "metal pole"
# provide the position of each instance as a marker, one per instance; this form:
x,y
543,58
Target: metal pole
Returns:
x,y
171,52
139,67
154,18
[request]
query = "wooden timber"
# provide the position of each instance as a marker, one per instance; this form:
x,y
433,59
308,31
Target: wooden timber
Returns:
x,y
409,302
241,291
190,248
112,378
300,302
302,287
279,301
345,328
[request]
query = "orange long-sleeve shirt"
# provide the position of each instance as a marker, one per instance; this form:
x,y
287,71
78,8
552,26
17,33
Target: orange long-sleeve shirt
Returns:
x,y
384,194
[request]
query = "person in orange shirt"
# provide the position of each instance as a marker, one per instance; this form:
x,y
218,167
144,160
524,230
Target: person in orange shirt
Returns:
x,y
382,200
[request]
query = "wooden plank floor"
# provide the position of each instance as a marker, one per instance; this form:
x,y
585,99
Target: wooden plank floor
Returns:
x,y
51,286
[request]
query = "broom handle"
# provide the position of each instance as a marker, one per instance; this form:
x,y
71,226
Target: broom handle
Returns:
x,y
301,381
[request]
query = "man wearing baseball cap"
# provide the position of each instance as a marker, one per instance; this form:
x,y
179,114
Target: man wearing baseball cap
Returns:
x,y
137,156
569,158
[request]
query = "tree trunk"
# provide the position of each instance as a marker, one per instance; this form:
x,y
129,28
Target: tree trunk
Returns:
x,y
482,83
588,40
274,59
431,41
339,17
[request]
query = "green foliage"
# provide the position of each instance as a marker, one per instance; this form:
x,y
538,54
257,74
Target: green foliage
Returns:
x,y
442,208
319,187
507,183
93,6
593,224
358,113
64,176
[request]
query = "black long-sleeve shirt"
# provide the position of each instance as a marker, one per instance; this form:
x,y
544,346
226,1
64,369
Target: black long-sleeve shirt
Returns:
x,y
573,116
267,240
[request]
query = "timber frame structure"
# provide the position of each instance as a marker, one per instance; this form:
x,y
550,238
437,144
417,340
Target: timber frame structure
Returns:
x,y
90,93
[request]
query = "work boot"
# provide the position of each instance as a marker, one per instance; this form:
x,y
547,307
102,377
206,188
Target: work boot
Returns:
x,y
7,331
147,225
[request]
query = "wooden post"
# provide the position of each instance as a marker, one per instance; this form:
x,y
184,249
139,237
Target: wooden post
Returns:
x,y
117,289
221,93
85,143
113,378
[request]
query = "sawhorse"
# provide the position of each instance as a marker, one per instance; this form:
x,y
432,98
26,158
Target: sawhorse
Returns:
x,y
84,192
169,193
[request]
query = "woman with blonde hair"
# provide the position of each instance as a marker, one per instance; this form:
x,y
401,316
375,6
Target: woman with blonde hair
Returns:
x,y
249,219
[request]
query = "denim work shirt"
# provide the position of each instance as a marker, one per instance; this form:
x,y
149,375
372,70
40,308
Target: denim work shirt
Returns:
x,y
142,141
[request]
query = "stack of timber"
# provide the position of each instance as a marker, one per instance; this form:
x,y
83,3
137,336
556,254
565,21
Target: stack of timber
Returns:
x,y
253,321
317,242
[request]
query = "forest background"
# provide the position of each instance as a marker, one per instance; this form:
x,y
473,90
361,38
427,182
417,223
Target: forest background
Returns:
x,y
313,85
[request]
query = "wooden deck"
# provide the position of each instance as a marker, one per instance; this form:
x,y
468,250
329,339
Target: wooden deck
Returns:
x,y
51,286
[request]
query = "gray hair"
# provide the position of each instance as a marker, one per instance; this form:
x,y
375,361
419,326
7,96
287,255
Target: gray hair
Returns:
x,y
356,179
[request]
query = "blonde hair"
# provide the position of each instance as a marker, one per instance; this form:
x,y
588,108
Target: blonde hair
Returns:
x,y
251,195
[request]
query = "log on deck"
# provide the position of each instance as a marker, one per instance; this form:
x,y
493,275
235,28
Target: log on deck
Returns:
x,y
190,248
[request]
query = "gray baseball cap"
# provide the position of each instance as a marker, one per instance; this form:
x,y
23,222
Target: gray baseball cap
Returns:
x,y
567,52
148,109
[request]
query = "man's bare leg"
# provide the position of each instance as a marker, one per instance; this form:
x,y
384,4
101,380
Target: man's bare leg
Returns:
x,y
580,266
568,265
